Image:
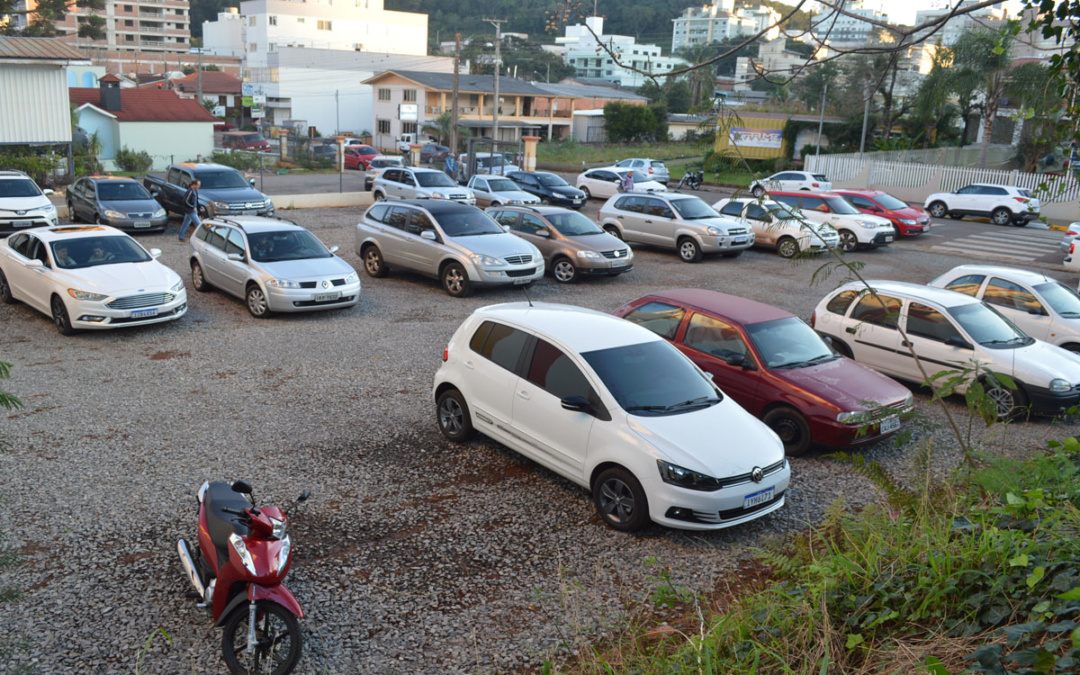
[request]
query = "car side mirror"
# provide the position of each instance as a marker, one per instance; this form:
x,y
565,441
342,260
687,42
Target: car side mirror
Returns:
x,y
46,192
740,361
544,232
155,253
251,182
578,404
958,342
236,257
35,264
429,235
334,249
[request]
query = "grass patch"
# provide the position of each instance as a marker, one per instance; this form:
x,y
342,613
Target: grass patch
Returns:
x,y
572,152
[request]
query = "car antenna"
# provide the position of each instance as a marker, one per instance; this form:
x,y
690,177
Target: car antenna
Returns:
x,y
525,289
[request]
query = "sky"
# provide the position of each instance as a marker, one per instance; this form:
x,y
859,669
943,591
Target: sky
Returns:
x,y
903,11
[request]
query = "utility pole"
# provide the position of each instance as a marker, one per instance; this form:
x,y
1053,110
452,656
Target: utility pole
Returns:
x,y
498,64
337,112
454,98
865,121
821,122
200,75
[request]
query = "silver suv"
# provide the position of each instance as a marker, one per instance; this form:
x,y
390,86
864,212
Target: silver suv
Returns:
x,y
273,264
459,245
672,220
416,183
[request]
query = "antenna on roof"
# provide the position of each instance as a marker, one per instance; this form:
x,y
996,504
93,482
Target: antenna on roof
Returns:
x,y
525,289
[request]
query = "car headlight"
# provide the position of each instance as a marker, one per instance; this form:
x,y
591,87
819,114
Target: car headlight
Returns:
x,y
351,279
716,232
1059,386
283,554
588,254
178,286
279,528
485,260
220,206
48,208
855,417
160,213
85,295
908,221
685,478
109,213
438,195
241,550
909,402
283,283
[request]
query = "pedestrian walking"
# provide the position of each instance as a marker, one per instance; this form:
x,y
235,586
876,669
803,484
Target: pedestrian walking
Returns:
x,y
191,208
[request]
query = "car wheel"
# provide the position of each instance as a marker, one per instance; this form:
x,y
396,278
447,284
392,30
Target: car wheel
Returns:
x,y
787,247
564,271
256,302
613,231
1070,347
1019,222
895,232
689,251
60,316
792,429
452,413
938,209
731,254
378,196
72,216
373,262
455,281
620,500
198,279
757,191
588,195
1001,216
1010,403
848,241
5,291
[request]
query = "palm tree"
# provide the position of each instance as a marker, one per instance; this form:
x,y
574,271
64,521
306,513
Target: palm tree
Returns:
x,y
440,127
981,61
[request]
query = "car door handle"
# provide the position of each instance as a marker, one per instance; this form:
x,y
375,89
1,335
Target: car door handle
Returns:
x,y
469,365
850,329
905,343
619,217
523,394
649,222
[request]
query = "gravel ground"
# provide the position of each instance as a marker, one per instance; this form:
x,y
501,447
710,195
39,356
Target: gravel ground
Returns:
x,y
414,555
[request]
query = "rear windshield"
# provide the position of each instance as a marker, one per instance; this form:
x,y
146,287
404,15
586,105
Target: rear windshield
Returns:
x,y
821,177
657,165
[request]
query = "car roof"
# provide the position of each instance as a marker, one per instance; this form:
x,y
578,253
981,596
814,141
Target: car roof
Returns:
x,y
489,175
577,328
205,167
740,310
917,292
859,191
1000,270
13,173
115,178
540,210
257,224
417,169
62,232
434,206
997,185
805,193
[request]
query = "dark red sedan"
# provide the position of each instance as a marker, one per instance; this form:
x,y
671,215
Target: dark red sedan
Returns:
x,y
908,221
777,368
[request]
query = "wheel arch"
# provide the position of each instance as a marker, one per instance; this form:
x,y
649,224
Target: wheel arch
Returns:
x,y
445,387
604,466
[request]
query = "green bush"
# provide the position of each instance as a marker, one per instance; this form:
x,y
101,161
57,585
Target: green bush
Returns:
x,y
136,162
243,161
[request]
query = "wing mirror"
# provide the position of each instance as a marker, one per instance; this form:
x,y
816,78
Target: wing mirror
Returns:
x,y
236,257
46,192
544,232
251,182
155,253
35,264
1038,311
334,249
578,404
958,342
429,235
740,361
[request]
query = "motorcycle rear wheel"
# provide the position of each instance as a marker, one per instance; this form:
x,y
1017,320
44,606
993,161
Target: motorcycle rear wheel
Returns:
x,y
279,640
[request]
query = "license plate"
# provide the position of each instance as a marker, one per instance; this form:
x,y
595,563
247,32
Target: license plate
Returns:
x,y
23,224
890,424
579,200
323,297
248,212
618,263
519,282
144,313
758,498
142,223
888,239
740,240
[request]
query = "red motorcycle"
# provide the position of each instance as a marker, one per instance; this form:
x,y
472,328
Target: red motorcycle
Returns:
x,y
243,556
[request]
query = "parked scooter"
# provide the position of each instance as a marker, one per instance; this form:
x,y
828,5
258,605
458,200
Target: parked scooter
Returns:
x,y
243,556
691,179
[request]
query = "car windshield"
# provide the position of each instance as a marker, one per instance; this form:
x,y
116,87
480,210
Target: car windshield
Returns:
x,y
890,202
82,252
551,180
121,192
987,327
789,343
18,187
434,179
468,224
1063,299
254,138
217,180
573,224
693,208
840,205
502,185
281,245
652,379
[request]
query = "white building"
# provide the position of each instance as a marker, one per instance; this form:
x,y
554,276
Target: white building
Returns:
x,y
837,28
581,53
773,60
713,23
261,27
991,17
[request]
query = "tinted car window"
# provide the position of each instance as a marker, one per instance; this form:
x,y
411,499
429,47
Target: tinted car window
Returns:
x,y
378,212
573,224
1013,296
418,221
968,284
713,336
871,310
555,373
393,175
481,184
503,346
808,203
530,224
19,243
756,212
732,209
480,336
37,251
1063,299
397,217
632,204
661,318
658,208
216,237
652,378
790,200
122,191
929,323
506,218
18,187
860,202
839,304
234,242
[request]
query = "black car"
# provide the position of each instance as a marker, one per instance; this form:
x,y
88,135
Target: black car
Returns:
x,y
549,187
431,153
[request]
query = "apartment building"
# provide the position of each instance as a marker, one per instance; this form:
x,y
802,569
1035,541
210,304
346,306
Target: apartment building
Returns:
x,y
152,26
773,59
721,20
991,17
581,52
837,28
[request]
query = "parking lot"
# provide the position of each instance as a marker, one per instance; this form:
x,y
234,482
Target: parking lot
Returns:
x,y
413,555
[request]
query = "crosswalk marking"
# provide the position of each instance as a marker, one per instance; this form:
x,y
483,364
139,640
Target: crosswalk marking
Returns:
x,y
1026,246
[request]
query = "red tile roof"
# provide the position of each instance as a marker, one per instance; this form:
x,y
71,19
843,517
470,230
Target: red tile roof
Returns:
x,y
109,77
213,81
146,105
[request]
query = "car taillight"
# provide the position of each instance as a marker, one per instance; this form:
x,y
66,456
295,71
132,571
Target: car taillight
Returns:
x,y
815,185
1022,200
813,318
446,353
1072,248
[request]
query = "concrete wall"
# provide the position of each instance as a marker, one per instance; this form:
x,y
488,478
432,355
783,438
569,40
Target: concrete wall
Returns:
x,y
106,129
168,141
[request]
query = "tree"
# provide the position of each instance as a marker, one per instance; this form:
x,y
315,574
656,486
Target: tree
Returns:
x,y
981,60
440,127
44,17
1034,90
625,122
811,87
524,57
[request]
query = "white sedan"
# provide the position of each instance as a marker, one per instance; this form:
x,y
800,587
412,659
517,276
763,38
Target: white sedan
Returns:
x,y
89,277
604,183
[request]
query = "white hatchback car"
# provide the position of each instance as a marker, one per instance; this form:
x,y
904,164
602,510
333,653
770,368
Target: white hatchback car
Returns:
x,y
606,183
948,331
1042,307
779,227
89,277
1002,204
614,408
791,180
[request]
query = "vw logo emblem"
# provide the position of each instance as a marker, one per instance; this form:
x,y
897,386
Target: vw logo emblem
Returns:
x,y
325,284
757,475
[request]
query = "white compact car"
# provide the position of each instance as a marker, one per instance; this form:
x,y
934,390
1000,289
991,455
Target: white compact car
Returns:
x,y
1042,307
1002,204
89,277
23,204
778,227
791,180
605,183
856,229
948,331
614,408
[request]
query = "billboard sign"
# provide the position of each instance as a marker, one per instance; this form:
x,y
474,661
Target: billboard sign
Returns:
x,y
408,112
756,138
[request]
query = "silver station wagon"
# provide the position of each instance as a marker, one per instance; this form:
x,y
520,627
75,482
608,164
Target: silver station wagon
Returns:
x,y
457,244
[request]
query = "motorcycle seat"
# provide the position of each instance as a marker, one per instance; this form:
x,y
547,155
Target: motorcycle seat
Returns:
x,y
220,524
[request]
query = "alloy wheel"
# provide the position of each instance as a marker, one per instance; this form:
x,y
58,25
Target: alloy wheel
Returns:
x,y
616,500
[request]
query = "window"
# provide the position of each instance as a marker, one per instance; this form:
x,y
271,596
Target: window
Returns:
x,y
813,203
398,217
657,207
129,8
968,284
503,346
272,47
234,242
661,318
418,222
530,224
1011,296
555,373
860,202
378,212
506,218
253,47
871,310
632,204
272,20
732,209
969,190
20,243
929,323
839,304
299,19
129,38
410,95
128,23
383,126
37,250
408,127
713,336
325,25
251,21
384,94
790,200
216,238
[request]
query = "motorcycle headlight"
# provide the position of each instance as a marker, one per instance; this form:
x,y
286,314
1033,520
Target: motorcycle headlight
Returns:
x,y
283,283
85,295
241,550
109,213
351,279
685,478
486,260
283,554
1059,386
178,286
160,213
588,254
279,528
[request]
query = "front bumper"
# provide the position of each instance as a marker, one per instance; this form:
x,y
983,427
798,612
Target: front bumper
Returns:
x,y
725,243
517,275
230,211
86,315
312,299
1047,403
687,509
920,227
10,222
571,202
139,224
829,432
604,266
883,238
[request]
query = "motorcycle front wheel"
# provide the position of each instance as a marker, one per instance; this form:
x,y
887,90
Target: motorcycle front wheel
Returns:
x,y
278,640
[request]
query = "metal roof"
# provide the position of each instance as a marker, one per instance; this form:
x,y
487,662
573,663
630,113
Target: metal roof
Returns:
x,y
483,84
576,90
46,49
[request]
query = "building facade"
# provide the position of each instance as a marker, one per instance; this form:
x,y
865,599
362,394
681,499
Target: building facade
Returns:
x,y
773,59
990,17
581,53
154,26
721,20
836,28
33,88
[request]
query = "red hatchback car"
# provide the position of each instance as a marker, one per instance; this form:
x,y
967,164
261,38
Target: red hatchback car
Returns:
x,y
777,368
908,221
359,156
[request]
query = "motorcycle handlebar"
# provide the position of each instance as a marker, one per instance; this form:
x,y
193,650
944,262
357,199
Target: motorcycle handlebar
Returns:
x,y
235,512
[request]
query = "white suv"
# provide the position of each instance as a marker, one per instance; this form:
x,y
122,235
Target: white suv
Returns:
x,y
416,183
948,331
23,204
791,180
856,229
1002,204
614,408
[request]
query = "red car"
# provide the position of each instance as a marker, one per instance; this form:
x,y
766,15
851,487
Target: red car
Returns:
x,y
777,368
908,221
359,156
244,140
